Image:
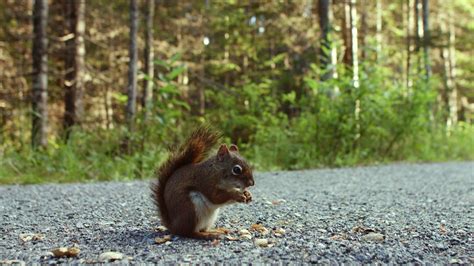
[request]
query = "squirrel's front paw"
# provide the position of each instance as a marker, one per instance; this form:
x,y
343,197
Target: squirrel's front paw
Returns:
x,y
248,196
241,198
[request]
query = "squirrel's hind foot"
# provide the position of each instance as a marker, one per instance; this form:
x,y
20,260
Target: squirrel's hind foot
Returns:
x,y
220,230
206,235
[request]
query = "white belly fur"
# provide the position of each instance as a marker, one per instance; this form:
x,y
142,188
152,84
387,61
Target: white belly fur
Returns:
x,y
206,211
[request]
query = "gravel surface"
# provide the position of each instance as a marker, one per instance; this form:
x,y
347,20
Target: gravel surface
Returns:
x,y
397,213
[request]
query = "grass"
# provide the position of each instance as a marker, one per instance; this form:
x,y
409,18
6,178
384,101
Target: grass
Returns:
x,y
92,157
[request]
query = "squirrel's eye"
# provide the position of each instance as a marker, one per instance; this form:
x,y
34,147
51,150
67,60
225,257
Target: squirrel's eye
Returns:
x,y
237,170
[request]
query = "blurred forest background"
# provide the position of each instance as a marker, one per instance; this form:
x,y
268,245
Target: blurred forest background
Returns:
x,y
99,90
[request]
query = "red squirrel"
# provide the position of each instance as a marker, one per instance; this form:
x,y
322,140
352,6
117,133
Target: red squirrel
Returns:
x,y
191,187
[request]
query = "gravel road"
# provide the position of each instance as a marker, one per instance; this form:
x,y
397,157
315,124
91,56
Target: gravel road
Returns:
x,y
398,213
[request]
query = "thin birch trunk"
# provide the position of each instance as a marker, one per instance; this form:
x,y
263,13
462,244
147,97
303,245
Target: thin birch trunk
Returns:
x,y
39,98
325,44
418,32
426,39
132,67
447,56
364,29
149,55
409,44
378,29
355,62
74,83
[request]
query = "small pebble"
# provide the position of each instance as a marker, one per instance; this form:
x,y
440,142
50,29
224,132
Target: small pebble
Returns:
x,y
246,236
111,256
373,237
244,232
261,242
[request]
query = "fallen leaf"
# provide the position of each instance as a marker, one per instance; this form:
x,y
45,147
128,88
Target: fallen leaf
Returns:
x,y
66,252
442,229
59,252
256,227
73,252
215,242
278,201
338,237
279,231
231,238
259,228
161,240
362,230
31,237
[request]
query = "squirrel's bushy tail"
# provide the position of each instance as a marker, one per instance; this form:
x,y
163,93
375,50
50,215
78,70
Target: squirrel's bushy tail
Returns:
x,y
193,150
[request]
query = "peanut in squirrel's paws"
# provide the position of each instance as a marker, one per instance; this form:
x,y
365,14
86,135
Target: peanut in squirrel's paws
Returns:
x,y
244,197
248,196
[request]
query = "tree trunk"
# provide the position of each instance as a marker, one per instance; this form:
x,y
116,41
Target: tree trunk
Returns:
x,y
200,89
448,57
328,53
132,67
350,55
452,63
409,45
346,34
426,39
201,94
364,30
355,62
149,67
325,45
350,40
74,64
354,45
418,32
378,29
39,132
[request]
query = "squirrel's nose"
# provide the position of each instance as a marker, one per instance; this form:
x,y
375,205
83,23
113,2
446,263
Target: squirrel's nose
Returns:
x,y
251,182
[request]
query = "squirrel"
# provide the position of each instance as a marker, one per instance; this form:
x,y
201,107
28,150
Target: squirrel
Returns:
x,y
191,189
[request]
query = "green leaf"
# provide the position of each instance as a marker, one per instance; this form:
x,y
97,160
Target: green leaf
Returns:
x,y
169,88
313,84
120,97
182,104
176,72
289,97
161,63
175,57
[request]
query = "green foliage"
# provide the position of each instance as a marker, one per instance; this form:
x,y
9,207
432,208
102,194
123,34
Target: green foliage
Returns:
x,y
393,125
262,89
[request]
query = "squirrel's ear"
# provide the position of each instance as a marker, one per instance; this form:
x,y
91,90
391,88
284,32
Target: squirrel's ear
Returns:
x,y
223,151
233,148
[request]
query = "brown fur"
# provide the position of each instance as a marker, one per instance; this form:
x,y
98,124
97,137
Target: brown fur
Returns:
x,y
192,151
186,171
